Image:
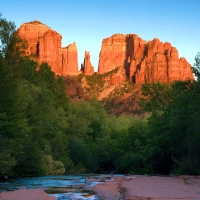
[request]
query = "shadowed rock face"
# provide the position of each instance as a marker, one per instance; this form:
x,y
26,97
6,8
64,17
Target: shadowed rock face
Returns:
x,y
143,61
44,45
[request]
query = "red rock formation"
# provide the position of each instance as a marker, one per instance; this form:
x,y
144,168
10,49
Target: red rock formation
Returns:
x,y
70,60
50,51
44,45
87,69
73,89
31,31
113,53
118,77
143,61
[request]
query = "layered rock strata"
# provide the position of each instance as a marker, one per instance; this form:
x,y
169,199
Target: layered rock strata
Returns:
x,y
143,61
44,45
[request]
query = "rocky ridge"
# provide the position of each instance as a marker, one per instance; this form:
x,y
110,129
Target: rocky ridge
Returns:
x,y
125,63
143,61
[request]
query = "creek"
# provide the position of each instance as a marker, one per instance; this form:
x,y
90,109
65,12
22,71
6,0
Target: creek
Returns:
x,y
62,187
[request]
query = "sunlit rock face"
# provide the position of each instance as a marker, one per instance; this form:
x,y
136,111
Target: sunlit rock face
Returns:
x,y
113,53
70,60
87,67
44,45
32,31
50,50
143,61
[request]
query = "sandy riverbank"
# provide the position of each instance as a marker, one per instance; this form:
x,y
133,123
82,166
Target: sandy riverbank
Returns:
x,y
150,187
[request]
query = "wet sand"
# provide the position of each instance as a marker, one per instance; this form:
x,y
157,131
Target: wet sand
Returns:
x,y
150,187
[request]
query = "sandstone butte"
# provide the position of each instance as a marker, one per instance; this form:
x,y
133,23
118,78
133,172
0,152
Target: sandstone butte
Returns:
x,y
143,61
44,45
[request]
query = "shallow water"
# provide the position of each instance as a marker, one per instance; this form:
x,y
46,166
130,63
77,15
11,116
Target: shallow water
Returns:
x,y
62,187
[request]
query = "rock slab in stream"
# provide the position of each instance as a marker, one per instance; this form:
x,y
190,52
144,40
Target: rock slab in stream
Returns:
x,y
31,194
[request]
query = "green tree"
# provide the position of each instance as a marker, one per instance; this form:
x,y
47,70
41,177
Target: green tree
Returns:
x,y
7,29
172,128
157,96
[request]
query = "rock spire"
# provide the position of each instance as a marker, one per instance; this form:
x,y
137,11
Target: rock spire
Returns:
x,y
87,67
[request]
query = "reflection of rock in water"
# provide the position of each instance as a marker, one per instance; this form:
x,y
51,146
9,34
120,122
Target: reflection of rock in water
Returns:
x,y
75,196
96,179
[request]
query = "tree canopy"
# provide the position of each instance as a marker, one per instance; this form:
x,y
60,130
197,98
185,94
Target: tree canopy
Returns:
x,y
42,132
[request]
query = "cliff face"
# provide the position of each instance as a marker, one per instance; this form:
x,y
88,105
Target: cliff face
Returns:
x,y
49,50
32,31
143,61
44,45
70,60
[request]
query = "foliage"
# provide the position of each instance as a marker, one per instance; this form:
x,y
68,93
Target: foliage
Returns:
x,y
30,114
95,82
196,67
53,167
156,96
173,131
7,29
7,160
43,133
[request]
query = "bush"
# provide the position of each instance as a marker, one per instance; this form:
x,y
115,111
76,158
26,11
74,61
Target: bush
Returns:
x,y
53,167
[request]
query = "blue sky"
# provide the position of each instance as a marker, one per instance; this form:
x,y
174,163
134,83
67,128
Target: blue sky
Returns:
x,y
87,22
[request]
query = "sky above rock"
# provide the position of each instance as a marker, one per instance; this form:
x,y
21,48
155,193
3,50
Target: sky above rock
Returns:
x,y
88,22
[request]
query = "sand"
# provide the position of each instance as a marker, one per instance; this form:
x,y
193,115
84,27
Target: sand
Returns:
x,y
150,187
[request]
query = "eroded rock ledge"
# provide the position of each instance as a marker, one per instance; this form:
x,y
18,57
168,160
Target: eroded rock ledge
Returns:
x,y
139,187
